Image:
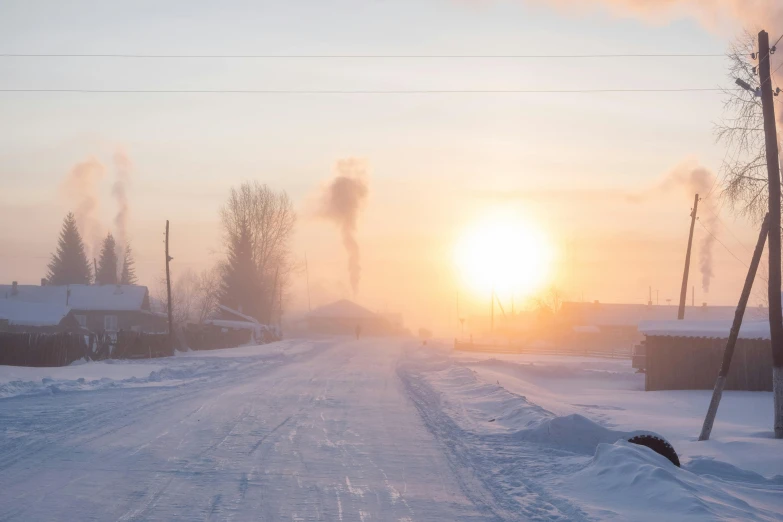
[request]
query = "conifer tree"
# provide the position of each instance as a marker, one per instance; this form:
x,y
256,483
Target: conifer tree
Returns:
x,y
107,263
128,274
239,289
69,265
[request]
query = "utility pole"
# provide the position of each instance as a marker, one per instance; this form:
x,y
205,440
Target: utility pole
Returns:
x,y
728,353
773,174
649,300
168,287
95,270
684,289
307,275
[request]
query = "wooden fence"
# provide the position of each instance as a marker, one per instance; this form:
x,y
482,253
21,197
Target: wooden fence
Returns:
x,y
688,363
61,349
211,338
41,349
557,349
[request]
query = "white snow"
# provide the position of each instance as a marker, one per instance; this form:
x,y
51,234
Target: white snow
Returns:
x,y
714,329
32,314
329,429
82,297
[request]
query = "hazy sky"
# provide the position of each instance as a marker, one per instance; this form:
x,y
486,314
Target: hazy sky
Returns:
x,y
437,161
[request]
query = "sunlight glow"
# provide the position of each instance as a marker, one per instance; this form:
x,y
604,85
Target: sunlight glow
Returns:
x,y
506,253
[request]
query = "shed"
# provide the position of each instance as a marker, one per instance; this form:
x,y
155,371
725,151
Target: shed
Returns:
x,y
687,355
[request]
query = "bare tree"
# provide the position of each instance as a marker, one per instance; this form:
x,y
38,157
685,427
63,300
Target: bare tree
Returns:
x,y
549,302
257,225
207,293
193,295
744,171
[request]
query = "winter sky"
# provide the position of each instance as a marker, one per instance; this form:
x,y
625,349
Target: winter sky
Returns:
x,y
437,161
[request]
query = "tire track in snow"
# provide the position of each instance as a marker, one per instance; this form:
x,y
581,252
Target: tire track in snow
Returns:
x,y
483,455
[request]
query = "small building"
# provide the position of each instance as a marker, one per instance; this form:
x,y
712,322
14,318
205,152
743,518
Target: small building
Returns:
x,y
616,325
344,316
687,355
95,307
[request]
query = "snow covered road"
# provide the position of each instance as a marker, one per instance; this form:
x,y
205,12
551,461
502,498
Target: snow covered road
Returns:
x,y
325,433
378,429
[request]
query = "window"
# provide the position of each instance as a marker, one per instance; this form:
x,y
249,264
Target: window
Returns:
x,y
81,319
110,323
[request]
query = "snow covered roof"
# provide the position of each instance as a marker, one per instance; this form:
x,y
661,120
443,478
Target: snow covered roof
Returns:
x,y
342,309
616,314
712,329
32,314
83,297
236,325
238,314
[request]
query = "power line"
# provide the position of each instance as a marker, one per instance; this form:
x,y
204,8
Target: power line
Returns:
x,y
351,92
356,56
727,229
728,249
722,244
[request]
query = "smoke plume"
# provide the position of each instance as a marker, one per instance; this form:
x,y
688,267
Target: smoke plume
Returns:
x,y
80,188
340,203
122,172
701,181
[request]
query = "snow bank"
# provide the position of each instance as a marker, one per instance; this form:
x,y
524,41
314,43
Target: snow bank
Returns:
x,y
635,483
554,430
114,373
712,329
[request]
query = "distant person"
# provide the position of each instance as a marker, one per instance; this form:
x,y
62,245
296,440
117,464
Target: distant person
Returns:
x,y
358,331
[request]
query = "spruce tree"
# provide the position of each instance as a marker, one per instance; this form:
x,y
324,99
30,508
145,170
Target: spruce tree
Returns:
x,y
240,288
107,263
128,274
69,265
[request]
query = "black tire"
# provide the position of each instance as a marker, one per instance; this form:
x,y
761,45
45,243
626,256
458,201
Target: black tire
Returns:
x,y
658,445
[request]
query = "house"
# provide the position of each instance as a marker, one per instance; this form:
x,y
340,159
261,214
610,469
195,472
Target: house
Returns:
x,y
687,355
94,307
344,316
20,316
617,324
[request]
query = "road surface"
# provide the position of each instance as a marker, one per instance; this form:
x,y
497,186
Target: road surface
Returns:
x,y
328,433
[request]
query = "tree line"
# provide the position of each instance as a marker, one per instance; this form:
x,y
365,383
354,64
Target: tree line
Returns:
x,y
70,266
256,225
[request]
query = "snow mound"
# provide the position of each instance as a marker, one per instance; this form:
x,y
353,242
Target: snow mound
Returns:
x,y
619,472
574,433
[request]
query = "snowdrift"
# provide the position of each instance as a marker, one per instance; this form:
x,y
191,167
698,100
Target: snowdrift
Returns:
x,y
515,446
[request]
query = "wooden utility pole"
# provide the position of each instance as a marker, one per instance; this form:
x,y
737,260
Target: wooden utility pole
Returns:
x,y
773,174
728,353
684,289
168,287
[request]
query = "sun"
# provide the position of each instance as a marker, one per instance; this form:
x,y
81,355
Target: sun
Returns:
x,y
504,253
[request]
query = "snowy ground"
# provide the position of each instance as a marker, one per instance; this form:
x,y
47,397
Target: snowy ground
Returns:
x,y
372,430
